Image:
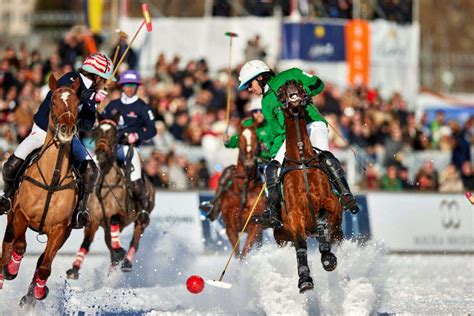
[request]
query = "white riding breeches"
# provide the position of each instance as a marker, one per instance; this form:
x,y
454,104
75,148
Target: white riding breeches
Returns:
x,y
136,173
318,134
33,141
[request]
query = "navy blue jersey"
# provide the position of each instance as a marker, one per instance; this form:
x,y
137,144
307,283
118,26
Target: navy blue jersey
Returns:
x,y
137,118
86,118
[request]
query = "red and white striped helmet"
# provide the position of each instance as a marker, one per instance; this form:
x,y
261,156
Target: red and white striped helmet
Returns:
x,y
100,65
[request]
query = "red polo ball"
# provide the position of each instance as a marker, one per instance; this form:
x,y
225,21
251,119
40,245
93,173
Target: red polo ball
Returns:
x,y
195,284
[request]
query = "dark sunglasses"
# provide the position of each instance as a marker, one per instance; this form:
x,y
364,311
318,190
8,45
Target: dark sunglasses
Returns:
x,y
256,111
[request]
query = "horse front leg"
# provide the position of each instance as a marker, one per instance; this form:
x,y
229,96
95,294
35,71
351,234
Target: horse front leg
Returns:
x,y
38,289
254,232
7,246
117,253
328,259
305,282
141,224
89,234
19,226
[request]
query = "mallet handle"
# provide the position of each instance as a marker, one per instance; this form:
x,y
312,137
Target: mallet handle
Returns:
x,y
100,108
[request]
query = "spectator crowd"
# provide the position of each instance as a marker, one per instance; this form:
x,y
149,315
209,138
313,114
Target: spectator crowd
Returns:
x,y
189,104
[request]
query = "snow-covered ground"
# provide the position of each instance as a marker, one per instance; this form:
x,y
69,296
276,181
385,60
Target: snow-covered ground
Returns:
x,y
366,280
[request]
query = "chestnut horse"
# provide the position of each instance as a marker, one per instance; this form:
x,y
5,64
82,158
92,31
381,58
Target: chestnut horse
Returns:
x,y
238,200
47,196
111,207
310,207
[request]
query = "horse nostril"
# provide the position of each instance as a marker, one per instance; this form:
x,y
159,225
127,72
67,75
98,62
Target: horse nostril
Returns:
x,y
63,129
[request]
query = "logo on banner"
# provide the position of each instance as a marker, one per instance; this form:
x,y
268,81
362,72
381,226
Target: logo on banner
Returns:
x,y
449,211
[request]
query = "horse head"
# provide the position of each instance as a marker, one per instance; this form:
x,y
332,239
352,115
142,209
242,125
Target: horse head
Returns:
x,y
106,138
64,108
248,145
294,98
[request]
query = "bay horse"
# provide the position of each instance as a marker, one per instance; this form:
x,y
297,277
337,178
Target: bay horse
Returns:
x,y
310,207
46,196
239,198
112,205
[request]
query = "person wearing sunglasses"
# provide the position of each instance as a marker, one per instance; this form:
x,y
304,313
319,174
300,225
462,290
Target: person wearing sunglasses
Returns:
x,y
264,136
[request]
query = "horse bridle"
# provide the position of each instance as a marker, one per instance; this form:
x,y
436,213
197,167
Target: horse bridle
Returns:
x,y
297,113
55,118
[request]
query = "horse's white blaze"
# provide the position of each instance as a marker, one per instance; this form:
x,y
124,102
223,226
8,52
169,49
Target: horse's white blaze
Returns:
x,y
64,97
105,127
248,138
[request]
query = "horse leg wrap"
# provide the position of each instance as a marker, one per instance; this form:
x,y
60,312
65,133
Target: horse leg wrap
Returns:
x,y
79,258
302,256
1,281
131,254
41,290
114,233
14,264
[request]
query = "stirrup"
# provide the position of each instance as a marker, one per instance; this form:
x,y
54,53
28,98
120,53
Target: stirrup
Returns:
x,y
206,207
10,205
267,219
81,220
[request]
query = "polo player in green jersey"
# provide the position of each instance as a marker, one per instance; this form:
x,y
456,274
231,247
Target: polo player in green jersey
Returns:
x,y
259,79
265,140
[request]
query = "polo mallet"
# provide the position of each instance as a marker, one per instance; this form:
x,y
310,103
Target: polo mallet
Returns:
x,y
219,283
231,35
119,32
149,27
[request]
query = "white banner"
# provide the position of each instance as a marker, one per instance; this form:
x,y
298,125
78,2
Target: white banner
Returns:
x,y
422,222
174,211
394,54
196,38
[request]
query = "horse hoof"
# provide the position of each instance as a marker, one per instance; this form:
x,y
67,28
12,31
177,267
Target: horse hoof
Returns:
x,y
73,273
329,261
126,266
27,301
305,284
119,254
7,274
42,293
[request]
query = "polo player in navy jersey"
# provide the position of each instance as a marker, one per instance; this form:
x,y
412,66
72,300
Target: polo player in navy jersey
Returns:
x,y
137,124
95,71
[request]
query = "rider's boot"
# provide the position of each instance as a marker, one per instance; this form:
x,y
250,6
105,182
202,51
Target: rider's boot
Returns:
x,y
336,176
270,216
10,172
89,173
212,208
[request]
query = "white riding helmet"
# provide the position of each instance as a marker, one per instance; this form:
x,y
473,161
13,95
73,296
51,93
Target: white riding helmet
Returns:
x,y
249,71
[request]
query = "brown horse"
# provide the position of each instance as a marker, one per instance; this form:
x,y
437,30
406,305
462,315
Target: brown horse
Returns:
x,y
47,196
112,207
238,200
310,208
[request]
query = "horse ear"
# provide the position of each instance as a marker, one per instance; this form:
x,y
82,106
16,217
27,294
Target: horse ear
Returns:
x,y
52,82
116,117
75,85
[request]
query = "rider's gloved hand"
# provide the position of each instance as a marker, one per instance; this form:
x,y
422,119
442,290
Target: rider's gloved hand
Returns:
x,y
132,138
101,95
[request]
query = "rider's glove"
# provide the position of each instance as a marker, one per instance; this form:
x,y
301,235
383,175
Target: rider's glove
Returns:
x,y
101,95
132,138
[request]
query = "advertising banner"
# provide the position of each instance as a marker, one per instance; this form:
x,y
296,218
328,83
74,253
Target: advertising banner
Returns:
x,y
422,222
358,58
314,42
